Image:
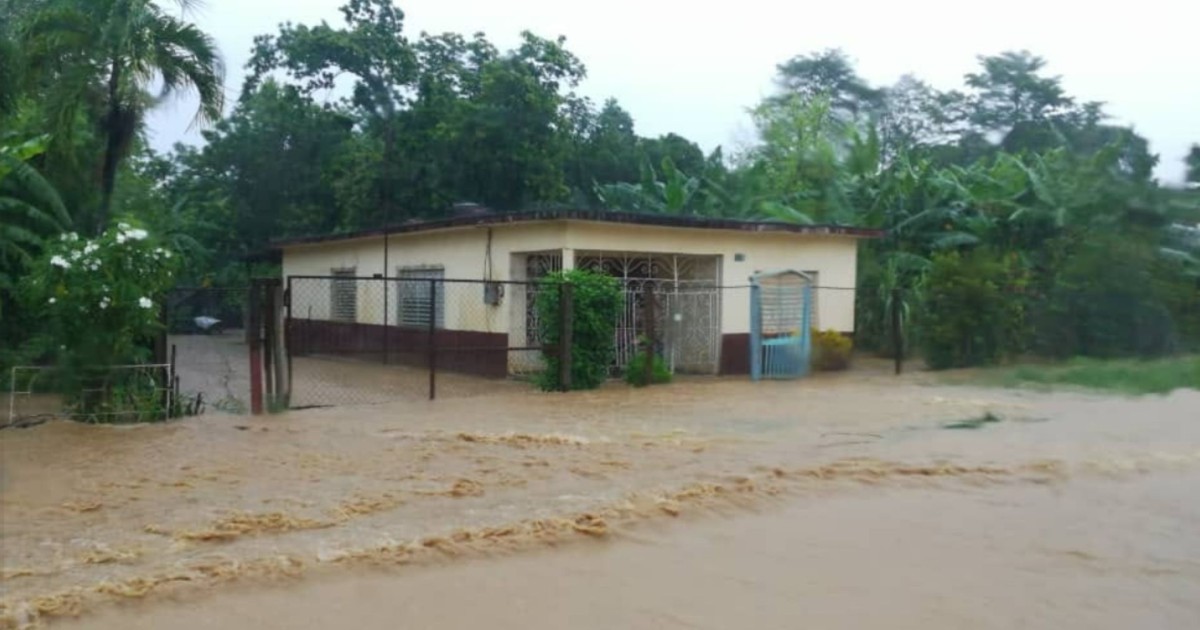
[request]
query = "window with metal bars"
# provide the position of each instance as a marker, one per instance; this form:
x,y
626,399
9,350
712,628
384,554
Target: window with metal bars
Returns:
x,y
343,295
417,287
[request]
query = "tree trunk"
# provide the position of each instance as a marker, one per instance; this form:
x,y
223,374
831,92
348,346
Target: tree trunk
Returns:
x,y
112,147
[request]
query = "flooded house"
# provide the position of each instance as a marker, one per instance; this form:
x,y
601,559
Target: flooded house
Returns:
x,y
471,278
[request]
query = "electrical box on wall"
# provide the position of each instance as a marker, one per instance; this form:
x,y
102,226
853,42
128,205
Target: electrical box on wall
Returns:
x,y
493,293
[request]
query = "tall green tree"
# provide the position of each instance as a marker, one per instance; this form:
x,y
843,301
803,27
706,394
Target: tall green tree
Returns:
x,y
270,169
1011,97
105,55
1192,163
371,48
683,153
829,74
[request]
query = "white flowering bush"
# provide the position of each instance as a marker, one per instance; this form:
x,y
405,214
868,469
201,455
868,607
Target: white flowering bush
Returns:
x,y
100,298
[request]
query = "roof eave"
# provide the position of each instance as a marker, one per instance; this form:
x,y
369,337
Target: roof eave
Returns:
x,y
628,218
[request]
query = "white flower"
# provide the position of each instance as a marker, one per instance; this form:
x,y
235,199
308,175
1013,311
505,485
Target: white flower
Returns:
x,y
123,226
68,236
120,238
52,300
104,302
136,234
145,303
90,247
166,253
75,256
59,261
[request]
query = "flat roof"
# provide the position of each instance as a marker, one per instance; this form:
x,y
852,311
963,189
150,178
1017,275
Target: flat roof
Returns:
x,y
596,216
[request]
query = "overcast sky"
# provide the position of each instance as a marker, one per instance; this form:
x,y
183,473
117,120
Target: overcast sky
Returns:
x,y
684,68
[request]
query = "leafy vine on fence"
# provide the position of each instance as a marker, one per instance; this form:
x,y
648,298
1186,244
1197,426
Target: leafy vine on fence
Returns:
x,y
596,300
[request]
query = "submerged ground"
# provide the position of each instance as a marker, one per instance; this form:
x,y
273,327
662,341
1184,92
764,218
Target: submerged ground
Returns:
x,y
861,500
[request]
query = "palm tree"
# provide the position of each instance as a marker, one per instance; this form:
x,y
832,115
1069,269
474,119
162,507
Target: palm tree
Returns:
x,y
106,54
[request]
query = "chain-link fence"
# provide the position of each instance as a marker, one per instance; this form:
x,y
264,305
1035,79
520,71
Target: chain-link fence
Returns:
x,y
364,340
354,340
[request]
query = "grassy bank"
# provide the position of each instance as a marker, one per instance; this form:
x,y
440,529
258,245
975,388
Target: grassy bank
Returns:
x,y
1131,376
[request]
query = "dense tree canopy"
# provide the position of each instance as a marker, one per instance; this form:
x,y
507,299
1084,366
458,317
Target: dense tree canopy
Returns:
x,y
359,124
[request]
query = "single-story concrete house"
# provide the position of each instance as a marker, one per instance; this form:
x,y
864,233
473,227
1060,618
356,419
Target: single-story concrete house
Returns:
x,y
703,264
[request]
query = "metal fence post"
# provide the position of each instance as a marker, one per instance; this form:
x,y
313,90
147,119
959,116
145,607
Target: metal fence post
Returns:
x,y
173,386
161,352
897,331
651,331
387,346
566,333
432,339
755,333
287,337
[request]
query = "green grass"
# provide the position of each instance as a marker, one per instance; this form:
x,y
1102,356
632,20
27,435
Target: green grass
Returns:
x,y
1130,376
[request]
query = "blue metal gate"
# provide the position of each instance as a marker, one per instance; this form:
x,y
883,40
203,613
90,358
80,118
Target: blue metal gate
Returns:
x,y
780,325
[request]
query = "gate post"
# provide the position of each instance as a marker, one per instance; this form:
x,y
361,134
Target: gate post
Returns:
x,y
254,340
755,332
287,336
432,339
268,344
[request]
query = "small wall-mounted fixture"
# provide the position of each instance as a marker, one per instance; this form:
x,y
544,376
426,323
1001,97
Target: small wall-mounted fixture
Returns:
x,y
739,257
377,276
493,293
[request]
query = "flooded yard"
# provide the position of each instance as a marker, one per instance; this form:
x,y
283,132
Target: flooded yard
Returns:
x,y
845,501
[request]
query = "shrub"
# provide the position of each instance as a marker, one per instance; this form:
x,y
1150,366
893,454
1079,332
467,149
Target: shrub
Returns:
x,y
831,350
597,302
1106,300
973,313
99,301
635,371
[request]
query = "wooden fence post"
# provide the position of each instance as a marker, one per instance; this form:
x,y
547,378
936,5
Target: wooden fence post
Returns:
x,y
254,340
268,355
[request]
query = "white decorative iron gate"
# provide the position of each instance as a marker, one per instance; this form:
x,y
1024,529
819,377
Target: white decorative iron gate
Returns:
x,y
687,325
692,329
687,307
687,304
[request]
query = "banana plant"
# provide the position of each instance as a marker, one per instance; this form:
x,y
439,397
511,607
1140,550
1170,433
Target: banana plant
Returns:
x,y
675,193
30,208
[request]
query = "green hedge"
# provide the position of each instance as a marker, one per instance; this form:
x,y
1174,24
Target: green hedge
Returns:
x,y
597,303
972,312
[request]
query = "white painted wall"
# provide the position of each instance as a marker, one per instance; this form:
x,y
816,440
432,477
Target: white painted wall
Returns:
x,y
462,251
835,258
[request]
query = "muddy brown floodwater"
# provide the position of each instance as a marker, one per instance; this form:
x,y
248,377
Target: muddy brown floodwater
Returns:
x,y
840,501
